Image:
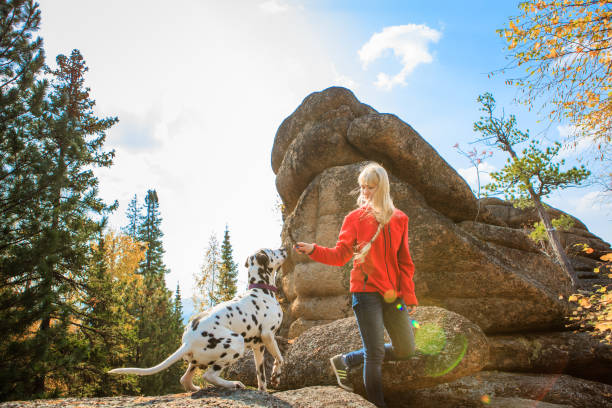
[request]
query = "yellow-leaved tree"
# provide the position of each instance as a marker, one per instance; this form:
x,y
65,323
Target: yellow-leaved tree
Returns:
x,y
566,48
109,324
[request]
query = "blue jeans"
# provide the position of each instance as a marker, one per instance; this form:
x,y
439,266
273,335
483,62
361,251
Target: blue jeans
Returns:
x,y
373,316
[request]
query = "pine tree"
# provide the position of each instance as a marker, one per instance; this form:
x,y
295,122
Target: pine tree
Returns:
x,y
178,306
528,176
74,138
158,330
108,329
134,216
67,215
151,234
228,271
205,294
22,178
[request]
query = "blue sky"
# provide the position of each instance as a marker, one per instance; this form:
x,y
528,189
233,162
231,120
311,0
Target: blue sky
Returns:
x,y
200,88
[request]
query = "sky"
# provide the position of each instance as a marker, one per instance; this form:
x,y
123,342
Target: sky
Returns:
x,y
200,88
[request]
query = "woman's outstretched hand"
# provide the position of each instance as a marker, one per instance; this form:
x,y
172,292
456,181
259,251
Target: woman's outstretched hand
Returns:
x,y
304,248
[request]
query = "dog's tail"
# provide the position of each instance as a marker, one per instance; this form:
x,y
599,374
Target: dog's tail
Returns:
x,y
176,356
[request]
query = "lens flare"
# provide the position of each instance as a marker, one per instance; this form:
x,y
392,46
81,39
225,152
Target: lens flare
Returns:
x,y
415,324
399,306
451,356
390,296
430,339
485,399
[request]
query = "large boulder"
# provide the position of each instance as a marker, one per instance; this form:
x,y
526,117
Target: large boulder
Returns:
x,y
323,397
487,386
578,354
472,268
389,140
332,128
312,139
448,347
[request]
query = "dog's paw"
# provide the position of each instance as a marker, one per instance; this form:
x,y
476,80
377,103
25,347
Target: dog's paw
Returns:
x,y
238,385
275,379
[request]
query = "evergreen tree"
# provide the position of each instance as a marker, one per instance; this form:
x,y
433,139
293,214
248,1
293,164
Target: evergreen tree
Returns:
x,y
70,139
134,216
228,271
108,329
178,306
22,178
151,234
159,332
528,176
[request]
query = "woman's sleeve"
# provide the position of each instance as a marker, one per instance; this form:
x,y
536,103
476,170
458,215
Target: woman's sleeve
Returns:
x,y
406,270
342,252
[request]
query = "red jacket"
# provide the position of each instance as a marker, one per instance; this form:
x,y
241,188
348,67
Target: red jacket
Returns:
x,y
388,266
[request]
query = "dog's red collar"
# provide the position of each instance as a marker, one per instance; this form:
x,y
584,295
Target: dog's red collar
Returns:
x,y
263,286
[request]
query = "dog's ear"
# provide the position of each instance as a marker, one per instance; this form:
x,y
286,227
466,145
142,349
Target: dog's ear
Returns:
x,y
262,259
246,263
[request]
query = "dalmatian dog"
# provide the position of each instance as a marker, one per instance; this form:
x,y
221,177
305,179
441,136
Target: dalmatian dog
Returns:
x,y
219,336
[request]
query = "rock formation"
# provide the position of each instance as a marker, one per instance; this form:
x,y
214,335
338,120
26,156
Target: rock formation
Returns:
x,y
472,257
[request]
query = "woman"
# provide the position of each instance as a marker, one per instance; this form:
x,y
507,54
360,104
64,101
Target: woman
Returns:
x,y
376,234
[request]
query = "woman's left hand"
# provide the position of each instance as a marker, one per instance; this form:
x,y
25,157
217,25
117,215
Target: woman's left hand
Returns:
x,y
304,248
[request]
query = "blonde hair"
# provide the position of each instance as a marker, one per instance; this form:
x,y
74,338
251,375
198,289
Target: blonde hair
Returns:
x,y
380,205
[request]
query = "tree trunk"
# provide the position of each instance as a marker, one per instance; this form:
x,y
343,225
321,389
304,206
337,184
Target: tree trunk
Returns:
x,y
555,241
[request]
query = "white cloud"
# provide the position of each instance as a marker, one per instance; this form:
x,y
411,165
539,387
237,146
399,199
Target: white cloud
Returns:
x,y
274,6
595,201
409,43
470,175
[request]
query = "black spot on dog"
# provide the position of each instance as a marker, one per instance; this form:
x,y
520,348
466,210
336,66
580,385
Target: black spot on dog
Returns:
x,y
262,259
235,334
210,362
243,334
260,327
194,362
272,328
279,315
226,346
240,311
254,319
253,295
229,308
265,315
194,324
217,317
223,355
236,355
248,327
243,320
204,333
193,368
212,342
216,367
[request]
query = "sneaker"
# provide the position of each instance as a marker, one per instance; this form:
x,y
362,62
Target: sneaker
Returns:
x,y
341,370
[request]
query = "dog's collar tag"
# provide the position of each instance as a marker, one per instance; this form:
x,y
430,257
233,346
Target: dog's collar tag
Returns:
x,y
263,286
